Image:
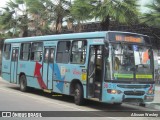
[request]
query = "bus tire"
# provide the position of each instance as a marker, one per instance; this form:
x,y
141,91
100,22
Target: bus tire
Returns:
x,y
23,83
78,95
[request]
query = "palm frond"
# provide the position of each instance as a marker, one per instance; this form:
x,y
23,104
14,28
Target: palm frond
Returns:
x,y
152,18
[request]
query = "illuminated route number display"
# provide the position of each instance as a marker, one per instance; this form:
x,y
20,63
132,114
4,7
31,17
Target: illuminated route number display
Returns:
x,y
126,37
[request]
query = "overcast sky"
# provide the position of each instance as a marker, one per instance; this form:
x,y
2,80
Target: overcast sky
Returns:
x,y
142,3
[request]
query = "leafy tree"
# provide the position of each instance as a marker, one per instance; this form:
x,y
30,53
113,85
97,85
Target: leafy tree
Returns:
x,y
152,18
34,15
38,16
60,11
81,11
45,12
15,18
122,11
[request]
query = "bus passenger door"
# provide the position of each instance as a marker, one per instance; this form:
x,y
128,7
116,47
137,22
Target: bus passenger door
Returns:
x,y
14,64
48,62
95,72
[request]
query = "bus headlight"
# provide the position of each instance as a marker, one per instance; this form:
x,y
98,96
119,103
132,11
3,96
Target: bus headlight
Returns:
x,y
150,92
113,91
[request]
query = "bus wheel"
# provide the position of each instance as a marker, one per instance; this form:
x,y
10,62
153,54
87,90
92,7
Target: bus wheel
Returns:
x,y
23,83
78,95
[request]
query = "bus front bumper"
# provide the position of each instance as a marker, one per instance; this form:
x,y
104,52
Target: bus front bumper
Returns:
x,y
119,98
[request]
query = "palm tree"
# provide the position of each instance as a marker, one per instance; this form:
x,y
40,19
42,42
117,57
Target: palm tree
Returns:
x,y
46,12
122,11
22,15
38,16
80,12
60,11
14,21
152,18
6,20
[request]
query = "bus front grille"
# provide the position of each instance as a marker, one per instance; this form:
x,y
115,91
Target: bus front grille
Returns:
x,y
136,93
133,86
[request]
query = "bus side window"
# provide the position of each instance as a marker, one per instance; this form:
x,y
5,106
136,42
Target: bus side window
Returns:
x,y
63,52
7,51
36,52
25,51
78,54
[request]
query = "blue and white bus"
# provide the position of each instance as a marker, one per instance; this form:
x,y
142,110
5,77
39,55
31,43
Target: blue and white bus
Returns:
x,y
108,66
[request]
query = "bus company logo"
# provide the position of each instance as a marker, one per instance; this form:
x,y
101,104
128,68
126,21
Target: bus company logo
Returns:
x,y
76,72
134,90
6,114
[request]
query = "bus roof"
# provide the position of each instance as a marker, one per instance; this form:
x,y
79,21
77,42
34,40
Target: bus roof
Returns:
x,y
98,34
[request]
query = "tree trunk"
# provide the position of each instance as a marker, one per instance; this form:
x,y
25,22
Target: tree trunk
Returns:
x,y
105,23
59,25
79,27
24,32
69,24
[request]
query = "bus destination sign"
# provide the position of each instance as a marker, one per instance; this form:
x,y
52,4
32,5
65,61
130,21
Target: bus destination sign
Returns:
x,y
127,38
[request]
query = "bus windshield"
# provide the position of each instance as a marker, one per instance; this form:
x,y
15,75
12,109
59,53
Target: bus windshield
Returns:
x,y
131,62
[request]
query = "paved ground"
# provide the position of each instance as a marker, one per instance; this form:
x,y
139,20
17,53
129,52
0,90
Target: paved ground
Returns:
x,y
11,99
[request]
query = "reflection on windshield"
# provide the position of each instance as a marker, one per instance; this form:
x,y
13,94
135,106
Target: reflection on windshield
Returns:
x,y
131,61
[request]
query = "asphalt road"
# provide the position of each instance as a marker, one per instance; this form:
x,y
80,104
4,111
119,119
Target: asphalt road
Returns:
x,y
12,99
